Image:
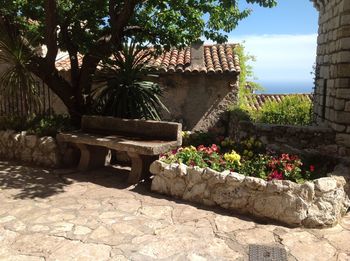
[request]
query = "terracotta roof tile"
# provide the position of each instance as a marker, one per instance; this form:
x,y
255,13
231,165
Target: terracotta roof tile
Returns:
x,y
256,101
216,59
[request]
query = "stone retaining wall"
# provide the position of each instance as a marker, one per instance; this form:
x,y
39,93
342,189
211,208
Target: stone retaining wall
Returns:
x,y
31,149
317,203
301,138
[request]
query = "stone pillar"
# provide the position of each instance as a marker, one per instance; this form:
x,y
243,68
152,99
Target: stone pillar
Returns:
x,y
140,165
332,93
91,157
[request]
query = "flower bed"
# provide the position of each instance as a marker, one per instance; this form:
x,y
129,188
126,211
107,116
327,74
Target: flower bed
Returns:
x,y
274,186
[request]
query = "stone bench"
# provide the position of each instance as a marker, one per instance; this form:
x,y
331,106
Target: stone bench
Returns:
x,y
142,140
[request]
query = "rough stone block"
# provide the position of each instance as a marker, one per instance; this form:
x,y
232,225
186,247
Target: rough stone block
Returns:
x,y
342,117
338,127
343,57
344,43
343,93
343,139
347,106
343,70
342,83
339,104
343,32
345,19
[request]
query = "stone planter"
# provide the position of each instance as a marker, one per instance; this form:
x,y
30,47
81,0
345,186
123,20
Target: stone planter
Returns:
x,y
317,203
42,151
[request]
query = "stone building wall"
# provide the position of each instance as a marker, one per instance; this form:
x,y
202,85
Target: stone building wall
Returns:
x,y
332,93
197,100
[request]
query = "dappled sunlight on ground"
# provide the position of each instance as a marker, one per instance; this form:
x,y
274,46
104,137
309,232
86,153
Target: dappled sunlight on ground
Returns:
x,y
66,215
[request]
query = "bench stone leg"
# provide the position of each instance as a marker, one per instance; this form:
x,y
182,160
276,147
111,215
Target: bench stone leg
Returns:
x,y
140,165
91,157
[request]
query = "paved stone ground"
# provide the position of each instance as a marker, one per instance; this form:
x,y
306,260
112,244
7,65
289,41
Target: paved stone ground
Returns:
x,y
63,215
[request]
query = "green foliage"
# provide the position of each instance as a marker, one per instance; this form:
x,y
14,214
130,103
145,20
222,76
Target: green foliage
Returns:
x,y
240,113
198,138
16,79
292,110
125,93
161,23
247,86
39,125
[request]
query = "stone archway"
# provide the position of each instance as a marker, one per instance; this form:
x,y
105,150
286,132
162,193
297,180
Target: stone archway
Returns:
x,y
332,92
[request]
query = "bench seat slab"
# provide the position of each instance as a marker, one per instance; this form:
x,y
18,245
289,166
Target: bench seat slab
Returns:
x,y
119,142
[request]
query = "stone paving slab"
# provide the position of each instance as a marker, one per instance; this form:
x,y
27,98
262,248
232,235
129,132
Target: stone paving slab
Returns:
x,y
66,215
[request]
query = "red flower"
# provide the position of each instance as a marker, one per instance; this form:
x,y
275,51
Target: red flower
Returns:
x,y
214,148
275,175
201,148
289,167
312,168
285,157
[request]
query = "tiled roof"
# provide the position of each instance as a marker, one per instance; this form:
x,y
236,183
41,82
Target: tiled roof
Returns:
x,y
217,59
256,101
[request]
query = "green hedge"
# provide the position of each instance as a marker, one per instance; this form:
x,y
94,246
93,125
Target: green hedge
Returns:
x,y
292,110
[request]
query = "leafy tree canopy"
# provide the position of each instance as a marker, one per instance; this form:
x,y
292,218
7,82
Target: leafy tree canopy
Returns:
x,y
160,22
97,27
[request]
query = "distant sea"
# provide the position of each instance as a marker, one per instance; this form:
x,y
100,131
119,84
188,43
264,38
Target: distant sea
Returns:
x,y
286,87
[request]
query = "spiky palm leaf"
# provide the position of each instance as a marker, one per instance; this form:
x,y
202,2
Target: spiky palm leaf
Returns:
x,y
125,92
16,81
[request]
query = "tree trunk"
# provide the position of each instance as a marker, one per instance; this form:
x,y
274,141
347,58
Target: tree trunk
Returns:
x,y
61,87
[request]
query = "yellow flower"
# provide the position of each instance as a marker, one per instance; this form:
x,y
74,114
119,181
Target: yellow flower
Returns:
x,y
232,157
185,134
193,148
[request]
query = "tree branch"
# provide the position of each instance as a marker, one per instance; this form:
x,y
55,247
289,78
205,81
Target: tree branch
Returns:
x,y
51,32
73,53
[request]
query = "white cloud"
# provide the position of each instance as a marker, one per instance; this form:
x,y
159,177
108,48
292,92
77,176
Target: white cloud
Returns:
x,y
281,58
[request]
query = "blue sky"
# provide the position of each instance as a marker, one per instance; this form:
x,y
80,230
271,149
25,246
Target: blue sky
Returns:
x,y
283,40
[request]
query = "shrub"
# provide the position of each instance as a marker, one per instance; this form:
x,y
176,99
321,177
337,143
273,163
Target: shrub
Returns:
x,y
124,92
292,110
48,125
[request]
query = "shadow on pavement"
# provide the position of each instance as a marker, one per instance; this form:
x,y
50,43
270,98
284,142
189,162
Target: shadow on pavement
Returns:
x,y
28,182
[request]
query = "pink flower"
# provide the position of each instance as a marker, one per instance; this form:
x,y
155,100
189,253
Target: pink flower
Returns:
x,y
312,168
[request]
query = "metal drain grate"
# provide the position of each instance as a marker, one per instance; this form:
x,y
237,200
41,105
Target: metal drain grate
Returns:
x,y
267,253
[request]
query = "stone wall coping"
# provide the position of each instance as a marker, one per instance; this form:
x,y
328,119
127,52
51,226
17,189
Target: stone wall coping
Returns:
x,y
266,126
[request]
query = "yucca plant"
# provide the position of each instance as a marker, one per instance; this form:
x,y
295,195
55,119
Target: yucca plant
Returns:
x,y
123,90
16,81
